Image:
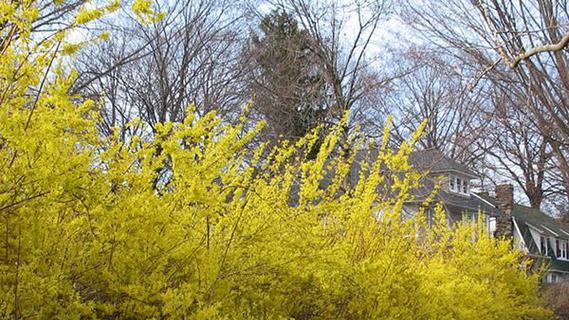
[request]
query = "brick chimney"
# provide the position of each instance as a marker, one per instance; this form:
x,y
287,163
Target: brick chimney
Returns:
x,y
505,200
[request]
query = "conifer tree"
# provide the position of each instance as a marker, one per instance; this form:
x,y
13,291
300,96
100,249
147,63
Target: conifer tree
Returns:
x,y
286,81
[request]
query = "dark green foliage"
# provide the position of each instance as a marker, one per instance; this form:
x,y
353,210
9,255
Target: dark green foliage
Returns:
x,y
286,80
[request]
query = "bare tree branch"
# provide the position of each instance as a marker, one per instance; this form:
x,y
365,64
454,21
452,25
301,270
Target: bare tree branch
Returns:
x,y
562,44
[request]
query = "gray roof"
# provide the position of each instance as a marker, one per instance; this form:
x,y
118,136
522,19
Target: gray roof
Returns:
x,y
433,161
536,218
456,204
429,161
526,218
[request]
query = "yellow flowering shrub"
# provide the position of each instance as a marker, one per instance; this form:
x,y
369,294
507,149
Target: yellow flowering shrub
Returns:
x,y
191,224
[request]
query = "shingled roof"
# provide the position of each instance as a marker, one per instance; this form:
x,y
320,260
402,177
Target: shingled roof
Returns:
x,y
454,203
526,218
434,161
535,218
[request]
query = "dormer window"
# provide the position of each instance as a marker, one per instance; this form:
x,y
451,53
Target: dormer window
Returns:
x,y
459,185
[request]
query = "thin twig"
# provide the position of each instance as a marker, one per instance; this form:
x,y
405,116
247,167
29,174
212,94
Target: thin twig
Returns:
x,y
482,74
41,85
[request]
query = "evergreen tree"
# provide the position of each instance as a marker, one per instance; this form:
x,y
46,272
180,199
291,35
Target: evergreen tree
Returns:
x,y
285,80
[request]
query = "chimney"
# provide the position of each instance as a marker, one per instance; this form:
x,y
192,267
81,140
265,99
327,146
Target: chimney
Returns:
x,y
505,200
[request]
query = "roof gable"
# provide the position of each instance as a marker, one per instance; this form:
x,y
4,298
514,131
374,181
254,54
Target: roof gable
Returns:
x,y
434,161
540,219
535,218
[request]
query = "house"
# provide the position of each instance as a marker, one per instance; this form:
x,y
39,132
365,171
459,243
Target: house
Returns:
x,y
532,231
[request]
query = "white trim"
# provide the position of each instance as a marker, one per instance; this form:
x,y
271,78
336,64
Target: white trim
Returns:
x,y
520,234
474,177
554,233
535,237
544,244
557,270
492,224
458,188
562,249
487,202
534,227
567,233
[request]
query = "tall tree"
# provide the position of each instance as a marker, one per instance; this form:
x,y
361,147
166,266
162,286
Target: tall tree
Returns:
x,y
435,92
155,71
517,48
344,34
285,80
515,150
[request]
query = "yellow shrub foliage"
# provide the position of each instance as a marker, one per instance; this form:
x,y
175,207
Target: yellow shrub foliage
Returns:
x,y
94,228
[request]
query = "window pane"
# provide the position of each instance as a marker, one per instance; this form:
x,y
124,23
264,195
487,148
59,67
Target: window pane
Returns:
x,y
492,224
548,245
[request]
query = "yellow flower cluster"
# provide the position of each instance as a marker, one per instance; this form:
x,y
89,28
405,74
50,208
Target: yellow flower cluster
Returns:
x,y
193,224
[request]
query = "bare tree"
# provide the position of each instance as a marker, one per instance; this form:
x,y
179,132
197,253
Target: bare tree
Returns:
x,y
156,71
517,48
433,90
531,38
515,150
53,17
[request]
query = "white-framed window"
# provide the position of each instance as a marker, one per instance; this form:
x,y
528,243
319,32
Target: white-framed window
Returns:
x,y
563,248
551,278
492,225
458,185
543,245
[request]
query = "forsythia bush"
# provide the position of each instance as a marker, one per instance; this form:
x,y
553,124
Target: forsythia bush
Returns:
x,y
190,224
